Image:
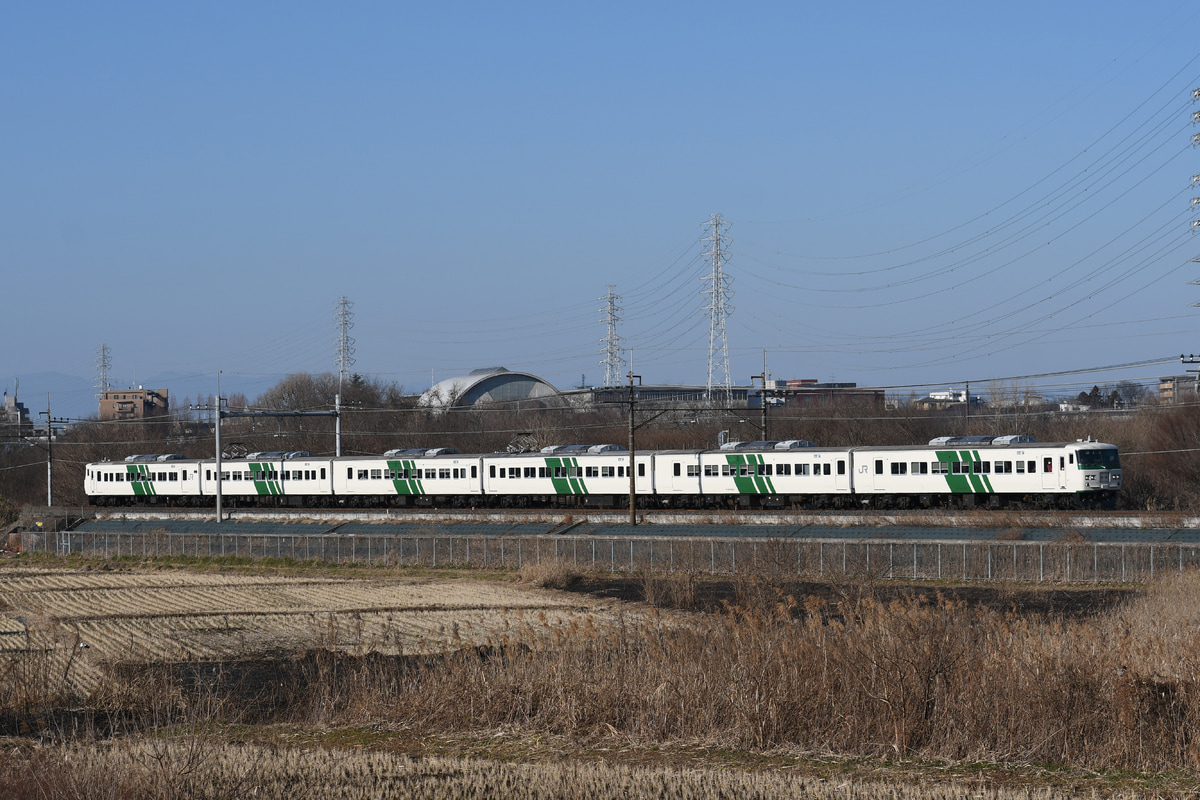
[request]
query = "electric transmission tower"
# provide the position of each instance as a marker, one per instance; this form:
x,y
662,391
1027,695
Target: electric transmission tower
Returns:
x,y
103,365
345,344
1195,226
717,290
612,343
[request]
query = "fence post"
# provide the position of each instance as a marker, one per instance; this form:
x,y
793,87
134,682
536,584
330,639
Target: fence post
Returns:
x,y
1041,562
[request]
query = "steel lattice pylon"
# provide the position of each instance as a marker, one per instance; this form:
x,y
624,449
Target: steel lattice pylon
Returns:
x,y
717,290
345,344
612,361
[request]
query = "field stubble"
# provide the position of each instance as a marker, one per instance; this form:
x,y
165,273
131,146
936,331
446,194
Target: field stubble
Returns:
x,y
856,674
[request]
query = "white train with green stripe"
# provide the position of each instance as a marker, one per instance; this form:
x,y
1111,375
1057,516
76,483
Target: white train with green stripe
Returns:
x,y
949,471
989,470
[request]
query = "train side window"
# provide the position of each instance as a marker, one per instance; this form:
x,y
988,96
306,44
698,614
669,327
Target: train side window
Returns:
x,y
1048,464
1032,466
987,467
827,469
899,468
621,472
1062,463
322,473
641,470
878,467
841,468
1072,458
349,473
474,471
492,471
1021,466
677,472
376,474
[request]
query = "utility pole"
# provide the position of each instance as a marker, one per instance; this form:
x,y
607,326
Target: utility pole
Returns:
x,y
967,424
632,454
762,398
337,423
50,451
219,410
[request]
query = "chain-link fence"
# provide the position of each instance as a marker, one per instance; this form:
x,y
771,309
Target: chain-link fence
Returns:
x,y
917,560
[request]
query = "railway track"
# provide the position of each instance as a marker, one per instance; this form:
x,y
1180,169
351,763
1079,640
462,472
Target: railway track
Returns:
x,y
968,519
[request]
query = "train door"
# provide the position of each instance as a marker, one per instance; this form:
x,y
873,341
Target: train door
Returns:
x,y
841,478
1050,476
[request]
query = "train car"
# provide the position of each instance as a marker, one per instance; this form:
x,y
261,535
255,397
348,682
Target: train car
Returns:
x,y
959,471
415,476
275,478
777,474
143,479
566,475
992,471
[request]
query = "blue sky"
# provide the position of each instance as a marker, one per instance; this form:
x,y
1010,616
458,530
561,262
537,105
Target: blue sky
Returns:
x,y
918,194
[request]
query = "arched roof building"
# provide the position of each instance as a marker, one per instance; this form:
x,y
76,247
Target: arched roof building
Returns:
x,y
490,386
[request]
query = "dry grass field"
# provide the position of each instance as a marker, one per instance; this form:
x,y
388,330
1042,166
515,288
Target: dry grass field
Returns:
x,y
98,618
164,681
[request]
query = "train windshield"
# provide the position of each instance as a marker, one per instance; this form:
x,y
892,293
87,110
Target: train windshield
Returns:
x,y
1099,459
